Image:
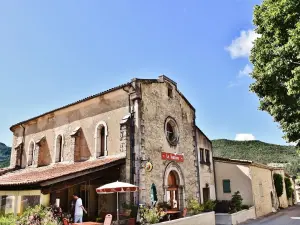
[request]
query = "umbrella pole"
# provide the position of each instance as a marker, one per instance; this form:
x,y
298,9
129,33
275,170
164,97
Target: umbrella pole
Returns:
x,y
118,207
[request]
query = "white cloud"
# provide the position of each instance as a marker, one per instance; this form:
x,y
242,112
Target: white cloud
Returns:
x,y
241,46
245,72
244,137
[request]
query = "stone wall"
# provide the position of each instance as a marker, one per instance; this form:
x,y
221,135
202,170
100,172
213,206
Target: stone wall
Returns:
x,y
110,108
156,107
262,187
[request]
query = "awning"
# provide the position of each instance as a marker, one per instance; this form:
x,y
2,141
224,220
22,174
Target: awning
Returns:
x,y
75,132
43,176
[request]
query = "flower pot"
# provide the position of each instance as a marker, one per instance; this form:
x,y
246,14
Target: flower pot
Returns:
x,y
131,221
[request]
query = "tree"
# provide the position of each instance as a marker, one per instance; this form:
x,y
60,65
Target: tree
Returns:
x,y
288,187
276,63
278,182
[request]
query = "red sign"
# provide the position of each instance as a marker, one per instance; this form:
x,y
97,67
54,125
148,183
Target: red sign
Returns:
x,y
172,157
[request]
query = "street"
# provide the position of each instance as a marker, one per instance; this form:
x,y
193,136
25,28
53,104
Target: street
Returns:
x,y
290,216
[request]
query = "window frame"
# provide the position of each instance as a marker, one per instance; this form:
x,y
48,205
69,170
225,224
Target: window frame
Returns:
x,y
172,122
201,155
207,153
228,182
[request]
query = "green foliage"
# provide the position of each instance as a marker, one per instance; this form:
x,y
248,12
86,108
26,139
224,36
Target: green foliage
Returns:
x,y
4,155
222,206
278,182
245,207
164,205
209,206
194,207
36,216
236,202
8,220
259,152
288,187
276,60
151,215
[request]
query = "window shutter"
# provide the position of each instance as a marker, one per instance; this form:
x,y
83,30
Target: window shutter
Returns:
x,y
226,186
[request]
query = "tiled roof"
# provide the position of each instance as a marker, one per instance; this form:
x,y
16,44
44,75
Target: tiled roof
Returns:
x,y
242,161
37,175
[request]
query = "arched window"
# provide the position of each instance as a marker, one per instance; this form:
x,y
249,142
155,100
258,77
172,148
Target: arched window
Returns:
x,y
31,153
59,149
101,139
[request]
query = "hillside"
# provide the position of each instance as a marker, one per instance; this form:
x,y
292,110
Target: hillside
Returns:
x,y
258,151
4,155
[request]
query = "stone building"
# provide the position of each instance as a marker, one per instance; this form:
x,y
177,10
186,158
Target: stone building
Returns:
x,y
142,132
253,180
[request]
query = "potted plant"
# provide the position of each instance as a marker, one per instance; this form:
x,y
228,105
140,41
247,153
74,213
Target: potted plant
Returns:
x,y
127,207
164,205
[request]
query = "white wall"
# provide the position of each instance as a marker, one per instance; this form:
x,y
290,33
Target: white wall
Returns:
x,y
240,180
201,219
235,218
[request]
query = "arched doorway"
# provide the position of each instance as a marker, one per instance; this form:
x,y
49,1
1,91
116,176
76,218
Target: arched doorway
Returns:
x,y
174,186
172,190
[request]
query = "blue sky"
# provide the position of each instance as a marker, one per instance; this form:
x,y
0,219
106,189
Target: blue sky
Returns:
x,y
55,52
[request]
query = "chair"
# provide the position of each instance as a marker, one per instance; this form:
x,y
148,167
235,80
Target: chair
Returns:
x,y
184,212
108,219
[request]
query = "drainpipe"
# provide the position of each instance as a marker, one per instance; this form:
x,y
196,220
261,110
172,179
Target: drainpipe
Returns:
x,y
198,162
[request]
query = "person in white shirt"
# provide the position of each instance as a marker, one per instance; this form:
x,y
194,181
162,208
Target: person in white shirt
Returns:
x,y
78,214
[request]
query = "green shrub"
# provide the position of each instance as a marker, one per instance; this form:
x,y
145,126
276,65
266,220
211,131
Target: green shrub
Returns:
x,y
8,220
209,206
222,206
194,207
236,202
151,215
288,187
245,207
278,184
36,216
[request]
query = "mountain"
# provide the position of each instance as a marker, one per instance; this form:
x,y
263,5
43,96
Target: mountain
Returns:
x,y
260,152
4,155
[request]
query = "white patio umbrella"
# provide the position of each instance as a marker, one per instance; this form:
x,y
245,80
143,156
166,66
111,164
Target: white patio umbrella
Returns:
x,y
117,187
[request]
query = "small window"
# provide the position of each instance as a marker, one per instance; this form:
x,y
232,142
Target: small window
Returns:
x,y
202,155
207,156
59,149
171,130
226,186
170,92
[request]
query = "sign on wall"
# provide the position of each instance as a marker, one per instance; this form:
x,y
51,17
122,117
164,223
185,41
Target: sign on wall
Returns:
x,y
172,157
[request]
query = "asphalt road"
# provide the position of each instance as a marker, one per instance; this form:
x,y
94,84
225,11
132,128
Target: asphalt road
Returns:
x,y
290,216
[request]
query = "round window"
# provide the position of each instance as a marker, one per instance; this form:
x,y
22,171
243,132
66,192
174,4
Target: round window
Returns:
x,y
171,131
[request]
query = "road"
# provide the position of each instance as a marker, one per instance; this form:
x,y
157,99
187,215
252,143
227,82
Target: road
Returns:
x,y
290,216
